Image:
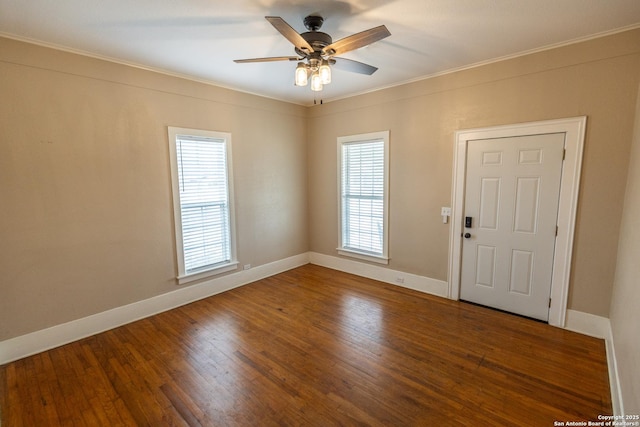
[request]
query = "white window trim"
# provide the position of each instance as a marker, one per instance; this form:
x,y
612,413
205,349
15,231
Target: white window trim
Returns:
x,y
183,276
384,257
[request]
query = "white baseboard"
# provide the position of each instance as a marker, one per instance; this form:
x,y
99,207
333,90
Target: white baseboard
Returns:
x,y
55,336
395,277
600,327
588,324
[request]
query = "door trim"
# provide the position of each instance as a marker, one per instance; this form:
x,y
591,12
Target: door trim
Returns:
x,y
574,130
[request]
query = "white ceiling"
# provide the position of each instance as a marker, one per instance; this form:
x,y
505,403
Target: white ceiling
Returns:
x,y
201,38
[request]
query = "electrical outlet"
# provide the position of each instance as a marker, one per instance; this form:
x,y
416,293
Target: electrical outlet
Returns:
x,y
246,266
399,279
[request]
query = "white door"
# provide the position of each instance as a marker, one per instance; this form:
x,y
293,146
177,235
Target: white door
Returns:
x,y
511,197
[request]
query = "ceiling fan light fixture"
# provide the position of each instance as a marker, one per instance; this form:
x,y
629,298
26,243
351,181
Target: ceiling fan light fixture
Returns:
x,y
316,82
325,72
315,50
302,74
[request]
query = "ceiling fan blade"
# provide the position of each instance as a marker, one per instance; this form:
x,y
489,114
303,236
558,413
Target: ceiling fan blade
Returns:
x,y
353,66
269,59
289,33
357,41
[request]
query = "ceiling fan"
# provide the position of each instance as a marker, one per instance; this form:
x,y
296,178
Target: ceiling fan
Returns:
x,y
317,52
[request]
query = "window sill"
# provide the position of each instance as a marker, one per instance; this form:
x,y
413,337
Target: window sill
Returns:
x,y
380,259
192,277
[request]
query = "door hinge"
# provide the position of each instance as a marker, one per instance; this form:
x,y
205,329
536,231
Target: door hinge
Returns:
x,y
556,231
549,302
564,154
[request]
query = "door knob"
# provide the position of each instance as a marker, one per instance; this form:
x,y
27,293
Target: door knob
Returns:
x,y
467,235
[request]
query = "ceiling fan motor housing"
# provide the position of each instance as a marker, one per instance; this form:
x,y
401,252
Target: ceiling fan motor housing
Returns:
x,y
318,41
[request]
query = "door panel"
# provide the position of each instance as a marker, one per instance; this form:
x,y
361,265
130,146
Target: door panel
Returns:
x,y
486,261
521,272
526,214
512,190
489,198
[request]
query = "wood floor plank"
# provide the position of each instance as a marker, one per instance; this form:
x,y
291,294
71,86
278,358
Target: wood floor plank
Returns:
x,y
315,347
46,382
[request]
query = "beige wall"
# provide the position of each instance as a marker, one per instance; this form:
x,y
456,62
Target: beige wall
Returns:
x,y
85,202
625,321
85,194
597,78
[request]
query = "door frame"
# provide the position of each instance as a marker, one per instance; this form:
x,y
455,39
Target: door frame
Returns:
x,y
574,129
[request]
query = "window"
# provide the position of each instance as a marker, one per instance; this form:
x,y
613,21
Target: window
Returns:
x,y
202,200
363,180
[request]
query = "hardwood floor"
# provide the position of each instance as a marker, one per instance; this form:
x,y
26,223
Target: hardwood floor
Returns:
x,y
315,347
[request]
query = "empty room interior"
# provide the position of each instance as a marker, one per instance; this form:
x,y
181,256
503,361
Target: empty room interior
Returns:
x,y
441,231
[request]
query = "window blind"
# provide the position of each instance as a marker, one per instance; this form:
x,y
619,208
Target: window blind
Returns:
x,y
204,201
363,196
